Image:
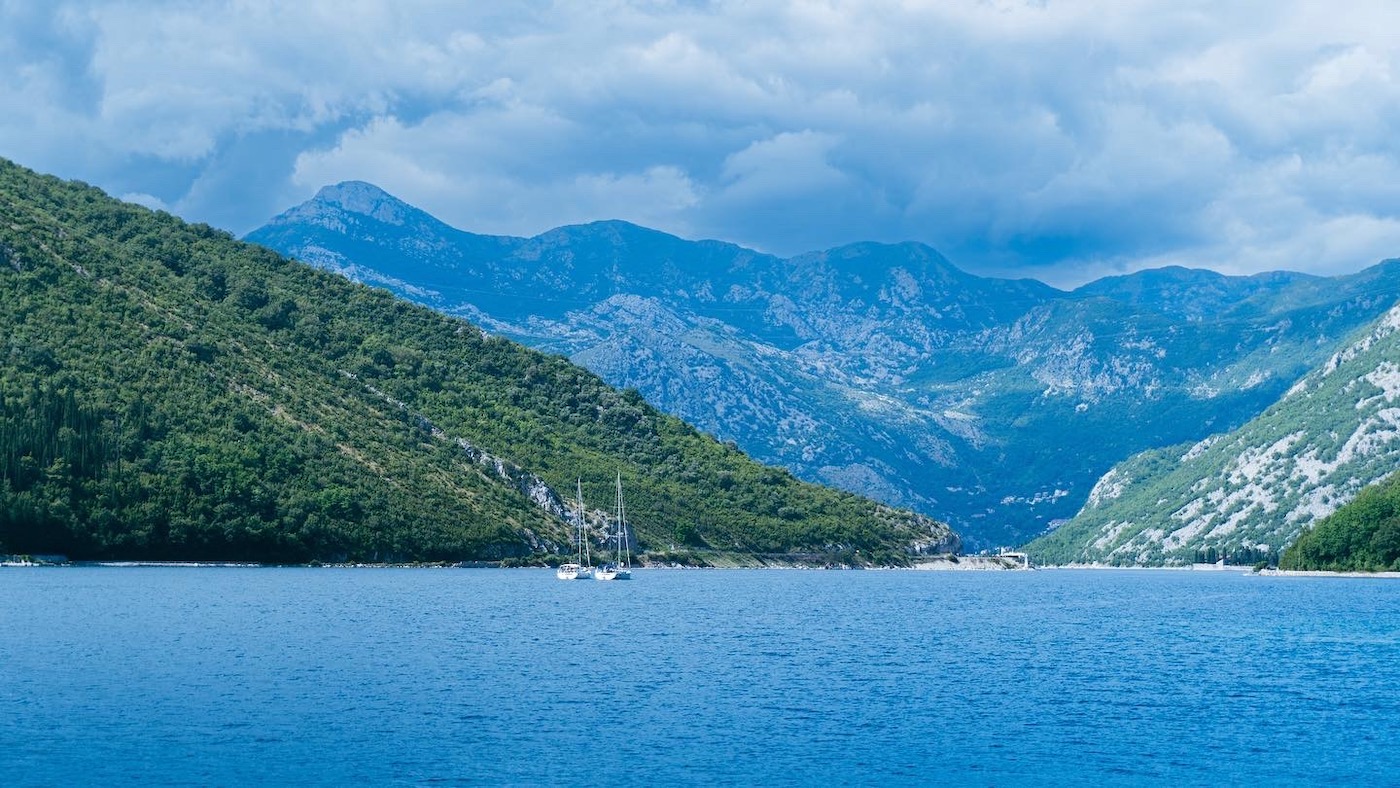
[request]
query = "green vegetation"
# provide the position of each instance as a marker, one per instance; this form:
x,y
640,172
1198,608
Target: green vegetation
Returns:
x,y
1090,536
1363,536
1253,490
1257,557
170,393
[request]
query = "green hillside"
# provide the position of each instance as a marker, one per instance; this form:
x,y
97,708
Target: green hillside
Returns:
x,y
1363,536
171,393
1249,493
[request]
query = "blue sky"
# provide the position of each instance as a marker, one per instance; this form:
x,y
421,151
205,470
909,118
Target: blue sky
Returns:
x,y
1061,140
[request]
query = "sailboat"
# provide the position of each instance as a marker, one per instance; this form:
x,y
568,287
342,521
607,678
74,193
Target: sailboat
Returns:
x,y
620,568
582,569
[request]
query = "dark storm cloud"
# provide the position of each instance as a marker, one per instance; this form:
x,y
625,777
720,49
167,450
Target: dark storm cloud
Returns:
x,y
1063,140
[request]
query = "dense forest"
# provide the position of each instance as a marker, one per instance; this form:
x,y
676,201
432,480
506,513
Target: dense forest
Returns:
x,y
1363,536
171,393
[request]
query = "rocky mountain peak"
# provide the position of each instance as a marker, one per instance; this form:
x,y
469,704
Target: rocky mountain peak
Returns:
x,y
366,199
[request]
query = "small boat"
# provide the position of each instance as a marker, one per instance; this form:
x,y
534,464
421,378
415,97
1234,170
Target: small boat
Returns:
x,y
571,571
581,569
620,568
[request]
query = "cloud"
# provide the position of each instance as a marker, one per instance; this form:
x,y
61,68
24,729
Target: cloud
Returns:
x,y
1058,139
140,198
478,182
787,165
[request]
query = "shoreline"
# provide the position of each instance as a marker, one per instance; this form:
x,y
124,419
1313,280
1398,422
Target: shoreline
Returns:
x,y
962,564
1327,573
928,564
1184,568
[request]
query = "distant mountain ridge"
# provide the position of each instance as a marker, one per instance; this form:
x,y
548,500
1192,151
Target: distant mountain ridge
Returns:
x,y
880,368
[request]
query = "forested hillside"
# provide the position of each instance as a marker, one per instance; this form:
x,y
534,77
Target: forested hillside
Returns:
x,y
1362,536
169,392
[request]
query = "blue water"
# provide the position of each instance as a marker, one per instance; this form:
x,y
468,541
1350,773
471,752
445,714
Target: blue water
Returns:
x,y
333,676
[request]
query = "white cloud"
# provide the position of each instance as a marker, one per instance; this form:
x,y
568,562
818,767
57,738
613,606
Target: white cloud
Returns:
x,y
154,203
1055,137
471,179
791,164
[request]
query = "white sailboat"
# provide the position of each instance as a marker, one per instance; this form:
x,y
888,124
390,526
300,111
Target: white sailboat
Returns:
x,y
620,568
582,569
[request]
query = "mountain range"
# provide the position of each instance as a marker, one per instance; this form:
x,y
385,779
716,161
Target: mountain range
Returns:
x,y
171,393
993,404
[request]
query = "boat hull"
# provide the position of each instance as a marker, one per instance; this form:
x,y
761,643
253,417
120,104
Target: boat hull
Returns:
x,y
608,573
573,572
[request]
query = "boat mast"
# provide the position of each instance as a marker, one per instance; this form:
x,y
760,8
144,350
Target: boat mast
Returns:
x,y
582,545
621,525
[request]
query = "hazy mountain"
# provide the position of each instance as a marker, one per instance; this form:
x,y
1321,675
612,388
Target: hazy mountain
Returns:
x,y
1195,294
994,404
1334,432
172,393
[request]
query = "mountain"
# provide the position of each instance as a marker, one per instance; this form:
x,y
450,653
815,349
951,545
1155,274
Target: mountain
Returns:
x,y
1255,489
883,369
1194,294
171,393
1362,536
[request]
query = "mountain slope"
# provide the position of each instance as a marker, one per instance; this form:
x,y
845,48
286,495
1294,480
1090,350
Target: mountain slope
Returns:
x,y
879,368
1256,488
172,393
1362,536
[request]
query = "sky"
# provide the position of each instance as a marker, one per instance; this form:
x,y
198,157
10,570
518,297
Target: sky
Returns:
x,y
1057,140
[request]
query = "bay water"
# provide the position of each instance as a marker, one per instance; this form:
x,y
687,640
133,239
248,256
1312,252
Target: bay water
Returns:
x,y
235,676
